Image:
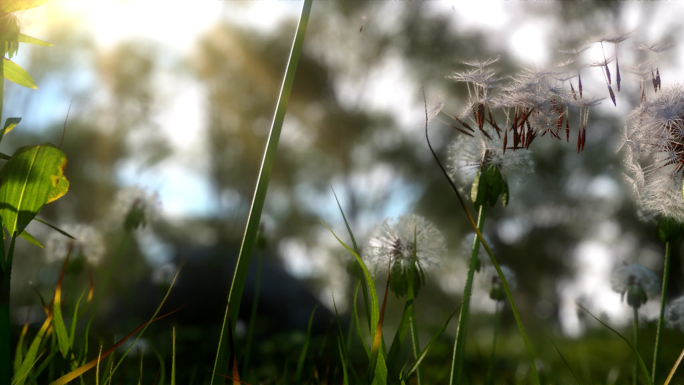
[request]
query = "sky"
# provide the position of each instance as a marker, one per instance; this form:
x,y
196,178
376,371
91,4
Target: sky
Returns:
x,y
176,26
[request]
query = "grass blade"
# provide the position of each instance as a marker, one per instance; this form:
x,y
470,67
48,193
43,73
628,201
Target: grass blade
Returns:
x,y
375,310
81,370
19,353
565,362
425,351
358,324
399,336
237,286
377,343
345,379
674,368
302,355
641,362
173,359
344,350
152,319
356,249
60,327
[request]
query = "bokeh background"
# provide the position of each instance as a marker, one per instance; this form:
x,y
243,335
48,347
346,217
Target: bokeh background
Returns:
x,y
178,96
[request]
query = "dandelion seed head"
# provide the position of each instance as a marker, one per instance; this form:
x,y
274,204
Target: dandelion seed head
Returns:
x,y
674,314
467,155
394,240
88,243
653,147
136,206
625,276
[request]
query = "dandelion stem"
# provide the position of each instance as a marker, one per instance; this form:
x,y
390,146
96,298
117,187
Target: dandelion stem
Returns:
x,y
490,369
636,346
504,282
414,327
666,274
459,345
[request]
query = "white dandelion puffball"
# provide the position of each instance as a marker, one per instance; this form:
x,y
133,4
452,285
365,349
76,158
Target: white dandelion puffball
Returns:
x,y
88,243
135,203
469,154
653,146
674,314
634,274
493,277
395,240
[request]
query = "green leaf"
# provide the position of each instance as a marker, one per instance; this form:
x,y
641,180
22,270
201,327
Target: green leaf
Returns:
x,y
10,123
399,336
30,238
27,181
32,40
8,6
16,74
58,192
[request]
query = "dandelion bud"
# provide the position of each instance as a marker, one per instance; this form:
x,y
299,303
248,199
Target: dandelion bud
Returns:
x,y
636,296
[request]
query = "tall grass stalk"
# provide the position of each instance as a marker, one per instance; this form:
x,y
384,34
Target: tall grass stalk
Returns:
x,y
504,282
663,293
238,284
459,344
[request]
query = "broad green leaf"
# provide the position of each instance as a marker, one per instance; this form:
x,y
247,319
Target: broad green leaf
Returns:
x,y
58,192
14,73
27,181
19,5
30,238
32,40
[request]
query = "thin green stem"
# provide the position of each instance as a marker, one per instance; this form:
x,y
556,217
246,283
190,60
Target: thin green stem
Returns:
x,y
249,238
252,316
636,345
459,344
490,369
414,329
663,293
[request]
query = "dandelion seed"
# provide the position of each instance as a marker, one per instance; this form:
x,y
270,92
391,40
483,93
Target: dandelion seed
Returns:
x,y
434,111
408,245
